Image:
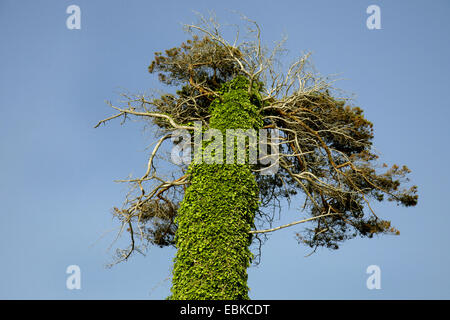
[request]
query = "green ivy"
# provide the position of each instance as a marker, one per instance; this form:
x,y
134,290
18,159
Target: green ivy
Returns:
x,y
218,210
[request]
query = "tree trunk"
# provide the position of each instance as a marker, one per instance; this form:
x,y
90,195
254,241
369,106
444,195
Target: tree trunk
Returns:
x,y
218,212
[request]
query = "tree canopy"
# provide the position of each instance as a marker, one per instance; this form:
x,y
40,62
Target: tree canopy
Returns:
x,y
325,158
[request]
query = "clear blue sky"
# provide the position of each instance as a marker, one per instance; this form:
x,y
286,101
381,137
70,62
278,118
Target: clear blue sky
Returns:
x,y
57,171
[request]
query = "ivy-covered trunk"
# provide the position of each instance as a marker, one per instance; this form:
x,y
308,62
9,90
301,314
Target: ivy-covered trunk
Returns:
x,y
218,211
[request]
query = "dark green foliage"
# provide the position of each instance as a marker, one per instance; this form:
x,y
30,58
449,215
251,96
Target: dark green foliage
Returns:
x,y
196,59
194,62
339,140
335,139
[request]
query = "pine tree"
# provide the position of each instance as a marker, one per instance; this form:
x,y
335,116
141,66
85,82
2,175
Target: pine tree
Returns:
x,y
211,211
